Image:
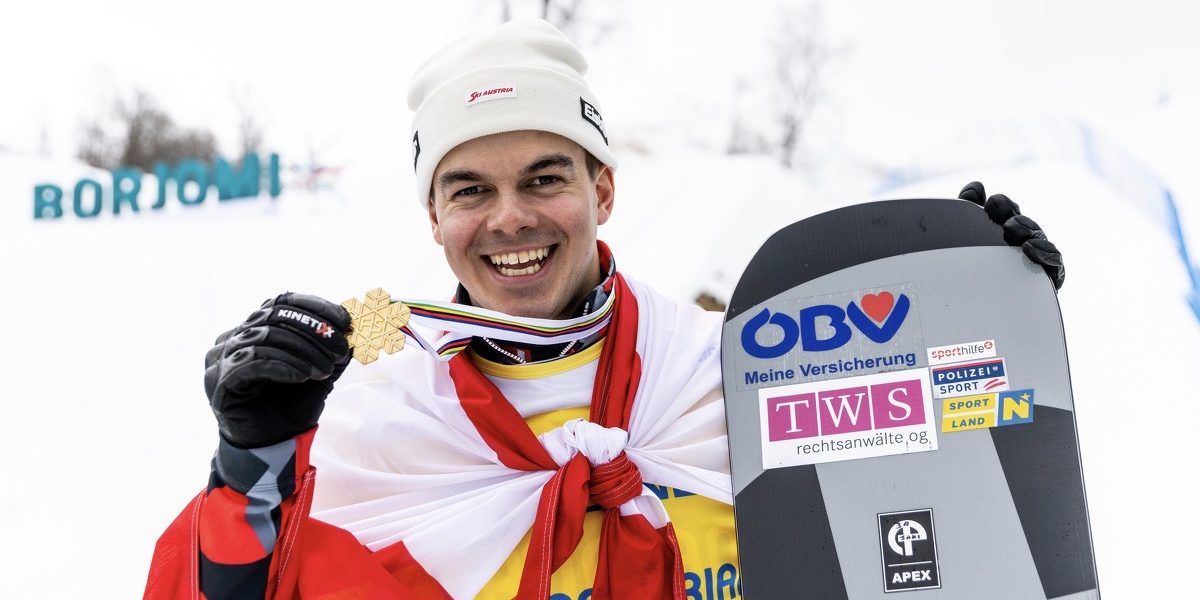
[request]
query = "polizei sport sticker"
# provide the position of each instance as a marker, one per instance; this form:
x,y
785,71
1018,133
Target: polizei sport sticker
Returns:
x,y
961,379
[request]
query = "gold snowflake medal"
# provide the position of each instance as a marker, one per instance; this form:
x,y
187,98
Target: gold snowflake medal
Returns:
x,y
375,325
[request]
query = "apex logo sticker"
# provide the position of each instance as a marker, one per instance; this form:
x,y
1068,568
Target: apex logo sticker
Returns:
x,y
823,327
908,551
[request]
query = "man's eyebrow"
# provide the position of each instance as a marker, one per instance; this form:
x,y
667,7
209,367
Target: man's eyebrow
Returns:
x,y
551,160
459,175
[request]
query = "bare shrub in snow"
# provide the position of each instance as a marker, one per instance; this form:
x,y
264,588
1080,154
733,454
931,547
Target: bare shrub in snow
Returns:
x,y
139,133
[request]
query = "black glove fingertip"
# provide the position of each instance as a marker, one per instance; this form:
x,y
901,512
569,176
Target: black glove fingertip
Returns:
x,y
1000,208
214,354
258,317
1044,253
1027,223
973,192
1018,229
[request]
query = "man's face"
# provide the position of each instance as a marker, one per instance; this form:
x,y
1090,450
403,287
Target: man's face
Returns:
x,y
516,214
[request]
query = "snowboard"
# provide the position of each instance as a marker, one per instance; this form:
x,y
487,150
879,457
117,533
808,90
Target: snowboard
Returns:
x,y
900,413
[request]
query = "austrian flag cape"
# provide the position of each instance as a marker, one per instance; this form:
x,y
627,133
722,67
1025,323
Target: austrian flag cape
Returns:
x,y
438,478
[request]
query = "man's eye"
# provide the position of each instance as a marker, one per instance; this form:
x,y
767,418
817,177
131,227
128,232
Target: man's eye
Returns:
x,y
469,191
546,179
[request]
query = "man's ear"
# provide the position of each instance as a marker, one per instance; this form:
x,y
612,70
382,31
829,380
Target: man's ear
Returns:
x,y
605,193
433,223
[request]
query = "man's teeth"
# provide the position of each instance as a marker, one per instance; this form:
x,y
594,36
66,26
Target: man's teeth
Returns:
x,y
530,270
516,258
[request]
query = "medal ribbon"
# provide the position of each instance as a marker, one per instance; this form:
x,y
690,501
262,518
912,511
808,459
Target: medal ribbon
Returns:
x,y
462,322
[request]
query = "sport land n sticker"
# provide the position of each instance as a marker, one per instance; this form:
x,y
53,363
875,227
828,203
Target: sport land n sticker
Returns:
x,y
983,411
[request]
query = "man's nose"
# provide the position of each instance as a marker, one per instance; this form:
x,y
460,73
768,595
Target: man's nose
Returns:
x,y
511,213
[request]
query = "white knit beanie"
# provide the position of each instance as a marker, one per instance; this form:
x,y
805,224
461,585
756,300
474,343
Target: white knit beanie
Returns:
x,y
523,75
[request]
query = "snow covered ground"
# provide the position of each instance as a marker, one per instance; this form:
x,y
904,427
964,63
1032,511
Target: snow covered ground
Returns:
x,y
105,432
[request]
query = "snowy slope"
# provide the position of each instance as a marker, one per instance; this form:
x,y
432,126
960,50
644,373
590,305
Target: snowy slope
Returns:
x,y
105,432
117,314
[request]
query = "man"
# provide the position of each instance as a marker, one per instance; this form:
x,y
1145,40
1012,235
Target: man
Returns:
x,y
576,448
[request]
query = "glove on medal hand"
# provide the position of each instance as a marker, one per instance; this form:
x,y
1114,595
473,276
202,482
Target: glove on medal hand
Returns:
x,y
1019,230
267,379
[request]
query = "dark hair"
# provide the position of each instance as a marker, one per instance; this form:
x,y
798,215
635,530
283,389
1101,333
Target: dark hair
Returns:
x,y
592,163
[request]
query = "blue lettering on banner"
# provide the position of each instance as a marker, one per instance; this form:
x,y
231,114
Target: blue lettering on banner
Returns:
x,y
663,492
808,328
807,334
237,183
983,369
192,179
727,580
757,377
857,364
720,584
97,198
791,333
162,172
126,185
659,490
885,331
692,582
47,197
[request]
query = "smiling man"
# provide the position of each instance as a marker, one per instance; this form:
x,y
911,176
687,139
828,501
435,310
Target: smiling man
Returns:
x,y
564,440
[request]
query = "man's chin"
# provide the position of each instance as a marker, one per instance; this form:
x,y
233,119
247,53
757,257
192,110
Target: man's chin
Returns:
x,y
536,296
536,311
530,306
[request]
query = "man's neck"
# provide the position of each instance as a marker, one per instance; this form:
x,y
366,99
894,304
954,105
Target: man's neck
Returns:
x,y
513,353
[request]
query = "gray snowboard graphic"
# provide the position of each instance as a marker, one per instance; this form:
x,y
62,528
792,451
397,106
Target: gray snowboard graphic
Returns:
x,y
900,413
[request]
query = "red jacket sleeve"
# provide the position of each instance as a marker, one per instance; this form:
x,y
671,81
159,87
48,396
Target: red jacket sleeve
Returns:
x,y
224,544
249,535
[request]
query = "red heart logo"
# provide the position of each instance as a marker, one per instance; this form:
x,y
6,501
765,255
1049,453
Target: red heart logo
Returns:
x,y
878,306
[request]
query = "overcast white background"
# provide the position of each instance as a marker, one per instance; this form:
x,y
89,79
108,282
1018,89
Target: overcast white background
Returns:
x,y
104,429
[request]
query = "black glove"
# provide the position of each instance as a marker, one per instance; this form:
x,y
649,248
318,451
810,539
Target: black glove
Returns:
x,y
1019,230
267,379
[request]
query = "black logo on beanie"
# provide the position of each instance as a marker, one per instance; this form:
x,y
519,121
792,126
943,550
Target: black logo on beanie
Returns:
x,y
591,115
417,148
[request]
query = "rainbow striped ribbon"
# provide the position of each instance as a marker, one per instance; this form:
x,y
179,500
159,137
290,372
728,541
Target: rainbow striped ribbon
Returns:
x,y
462,322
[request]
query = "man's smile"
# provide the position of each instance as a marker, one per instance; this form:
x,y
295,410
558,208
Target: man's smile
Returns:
x,y
523,262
